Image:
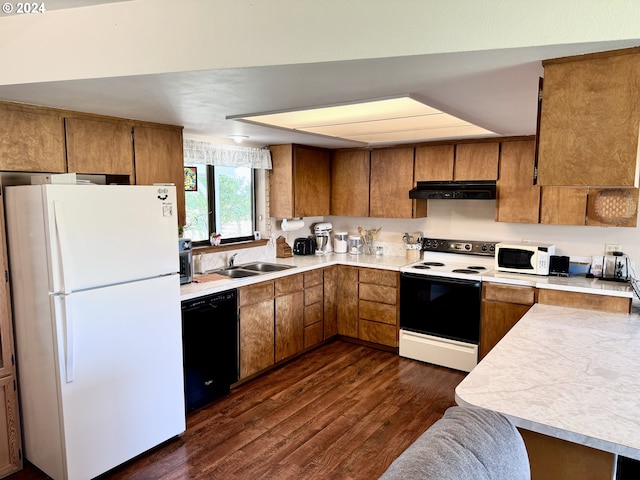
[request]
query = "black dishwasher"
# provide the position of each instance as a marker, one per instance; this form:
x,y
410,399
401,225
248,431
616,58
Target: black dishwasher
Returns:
x,y
210,347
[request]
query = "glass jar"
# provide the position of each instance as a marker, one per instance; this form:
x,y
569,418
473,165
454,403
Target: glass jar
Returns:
x,y
355,244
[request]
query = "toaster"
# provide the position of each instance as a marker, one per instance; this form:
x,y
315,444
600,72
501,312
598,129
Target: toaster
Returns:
x,y
304,246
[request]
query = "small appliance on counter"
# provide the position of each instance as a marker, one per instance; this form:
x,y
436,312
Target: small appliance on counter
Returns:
x,y
186,260
304,246
323,238
615,267
532,258
559,265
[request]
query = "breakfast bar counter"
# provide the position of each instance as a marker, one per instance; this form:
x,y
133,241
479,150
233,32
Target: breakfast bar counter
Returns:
x,y
566,373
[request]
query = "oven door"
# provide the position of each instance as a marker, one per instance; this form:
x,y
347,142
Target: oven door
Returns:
x,y
441,307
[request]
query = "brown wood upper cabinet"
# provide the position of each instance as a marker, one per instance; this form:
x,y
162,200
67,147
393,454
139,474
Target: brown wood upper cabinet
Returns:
x,y
350,183
159,158
465,161
300,181
476,161
589,120
391,180
518,198
99,147
31,139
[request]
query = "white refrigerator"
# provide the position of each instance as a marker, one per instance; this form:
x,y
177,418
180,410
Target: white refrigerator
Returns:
x,y
96,304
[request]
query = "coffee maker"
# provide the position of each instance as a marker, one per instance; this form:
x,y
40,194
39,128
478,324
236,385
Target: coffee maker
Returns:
x,y
323,238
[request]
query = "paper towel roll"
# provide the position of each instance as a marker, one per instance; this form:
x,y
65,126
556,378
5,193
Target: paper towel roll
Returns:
x,y
288,225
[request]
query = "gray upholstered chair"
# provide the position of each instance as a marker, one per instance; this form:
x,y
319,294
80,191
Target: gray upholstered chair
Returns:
x,y
465,444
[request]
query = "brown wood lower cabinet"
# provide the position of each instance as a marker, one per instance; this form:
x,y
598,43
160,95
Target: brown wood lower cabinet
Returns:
x,y
10,457
605,303
313,308
330,306
257,338
289,311
368,304
502,307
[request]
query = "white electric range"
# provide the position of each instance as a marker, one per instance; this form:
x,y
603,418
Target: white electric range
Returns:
x,y
440,302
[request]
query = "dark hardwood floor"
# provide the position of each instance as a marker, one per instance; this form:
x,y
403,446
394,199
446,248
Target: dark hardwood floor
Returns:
x,y
342,411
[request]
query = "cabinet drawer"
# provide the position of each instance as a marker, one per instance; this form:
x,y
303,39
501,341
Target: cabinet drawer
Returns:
x,y
378,277
509,294
255,293
378,333
288,284
312,335
313,295
379,312
378,293
587,301
313,314
312,278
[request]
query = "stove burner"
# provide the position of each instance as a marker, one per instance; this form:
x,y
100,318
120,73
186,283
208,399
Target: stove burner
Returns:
x,y
434,264
422,267
477,267
464,270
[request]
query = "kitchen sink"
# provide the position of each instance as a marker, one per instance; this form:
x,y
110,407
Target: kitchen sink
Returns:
x,y
265,267
236,272
251,269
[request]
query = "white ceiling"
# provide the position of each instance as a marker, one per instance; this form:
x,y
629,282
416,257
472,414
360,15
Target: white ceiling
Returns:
x,y
494,89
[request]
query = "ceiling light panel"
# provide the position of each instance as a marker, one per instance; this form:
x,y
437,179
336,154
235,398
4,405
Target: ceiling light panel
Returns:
x,y
379,121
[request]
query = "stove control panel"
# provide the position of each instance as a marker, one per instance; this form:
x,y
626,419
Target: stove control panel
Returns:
x,y
458,246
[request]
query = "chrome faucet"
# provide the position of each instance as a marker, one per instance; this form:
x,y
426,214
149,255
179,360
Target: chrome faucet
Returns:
x,y
231,260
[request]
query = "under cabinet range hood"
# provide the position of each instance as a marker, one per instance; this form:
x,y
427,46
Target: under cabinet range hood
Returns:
x,y
455,190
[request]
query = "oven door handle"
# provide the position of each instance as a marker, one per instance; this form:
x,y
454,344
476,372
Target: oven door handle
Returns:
x,y
435,279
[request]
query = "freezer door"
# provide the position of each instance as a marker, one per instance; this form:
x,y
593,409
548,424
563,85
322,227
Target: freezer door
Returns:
x,y
98,235
121,381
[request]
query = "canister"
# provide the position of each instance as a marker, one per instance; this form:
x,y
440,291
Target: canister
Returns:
x,y
340,243
355,244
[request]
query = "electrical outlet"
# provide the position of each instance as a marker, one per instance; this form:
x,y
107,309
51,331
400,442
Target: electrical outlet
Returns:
x,y
612,247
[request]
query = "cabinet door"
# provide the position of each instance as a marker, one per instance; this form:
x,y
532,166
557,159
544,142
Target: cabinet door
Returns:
x,y
350,183
159,158
281,181
330,310
10,455
586,301
563,205
299,182
502,307
312,182
347,300
581,140
518,198
99,147
434,163
391,180
289,326
476,161
256,337
31,141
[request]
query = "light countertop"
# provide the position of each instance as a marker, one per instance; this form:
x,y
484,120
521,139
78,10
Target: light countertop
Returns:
x,y
388,262
568,373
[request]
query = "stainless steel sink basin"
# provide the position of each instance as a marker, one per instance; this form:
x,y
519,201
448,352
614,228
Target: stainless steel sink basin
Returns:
x,y
265,267
251,269
236,272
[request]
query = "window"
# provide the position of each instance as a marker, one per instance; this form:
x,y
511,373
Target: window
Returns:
x,y
223,203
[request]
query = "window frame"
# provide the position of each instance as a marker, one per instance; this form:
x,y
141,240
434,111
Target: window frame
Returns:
x,y
211,214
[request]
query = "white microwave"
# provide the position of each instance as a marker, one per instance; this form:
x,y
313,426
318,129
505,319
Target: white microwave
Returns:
x,y
532,258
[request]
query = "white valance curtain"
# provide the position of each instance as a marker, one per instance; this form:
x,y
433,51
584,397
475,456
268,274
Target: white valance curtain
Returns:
x,y
196,151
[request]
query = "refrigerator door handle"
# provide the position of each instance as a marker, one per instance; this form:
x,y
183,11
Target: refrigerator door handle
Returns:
x,y
65,333
63,243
